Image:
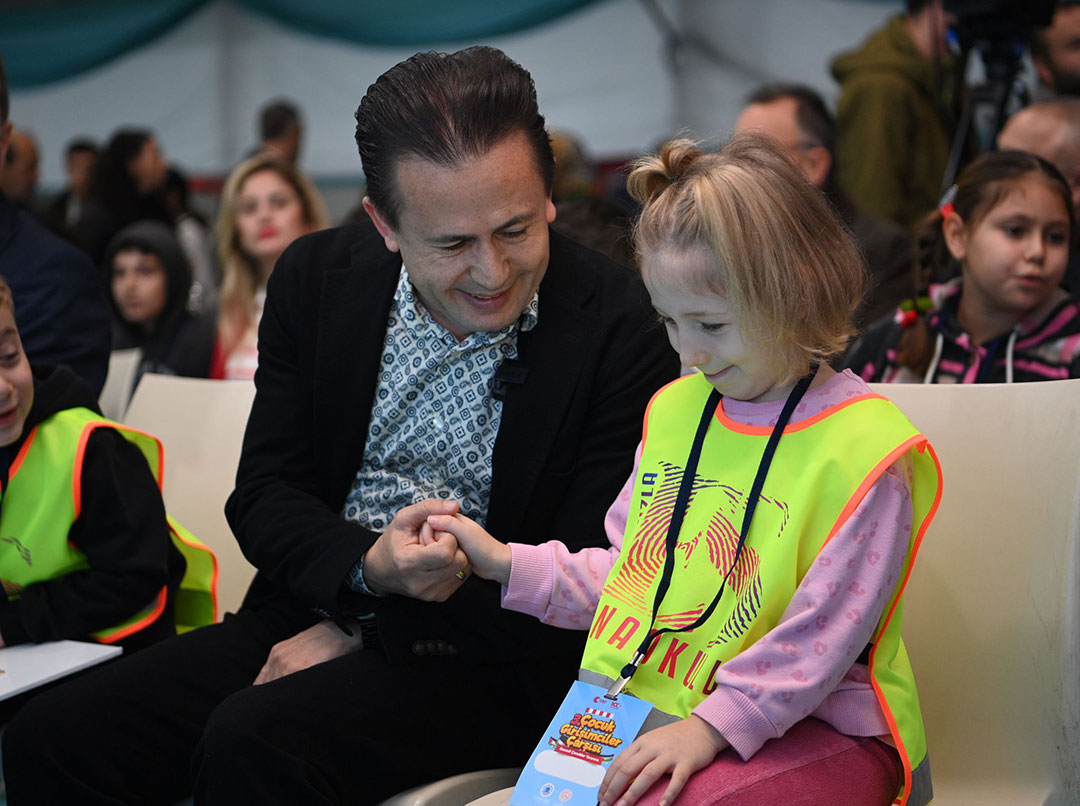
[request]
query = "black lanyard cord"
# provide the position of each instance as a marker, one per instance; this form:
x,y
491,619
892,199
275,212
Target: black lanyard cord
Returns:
x,y
681,501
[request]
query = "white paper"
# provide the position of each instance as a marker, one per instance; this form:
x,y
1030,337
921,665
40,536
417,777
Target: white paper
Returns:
x,y
28,666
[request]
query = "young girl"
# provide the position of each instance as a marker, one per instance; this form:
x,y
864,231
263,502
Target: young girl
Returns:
x,y
1007,222
770,620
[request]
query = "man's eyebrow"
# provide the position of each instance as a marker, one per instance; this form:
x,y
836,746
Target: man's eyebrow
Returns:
x,y
512,222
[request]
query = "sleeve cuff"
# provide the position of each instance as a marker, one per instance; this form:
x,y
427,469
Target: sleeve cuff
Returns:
x,y
529,589
738,720
355,580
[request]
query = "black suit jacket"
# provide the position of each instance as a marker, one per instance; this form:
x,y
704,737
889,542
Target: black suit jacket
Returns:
x,y
564,448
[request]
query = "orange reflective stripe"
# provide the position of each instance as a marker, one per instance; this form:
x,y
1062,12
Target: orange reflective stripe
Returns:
x,y
764,431
894,729
21,455
861,491
80,455
145,621
213,557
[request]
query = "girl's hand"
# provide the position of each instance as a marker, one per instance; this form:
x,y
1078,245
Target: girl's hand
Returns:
x,y
489,558
681,748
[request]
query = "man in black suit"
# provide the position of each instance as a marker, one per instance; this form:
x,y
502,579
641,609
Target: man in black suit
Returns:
x,y
504,368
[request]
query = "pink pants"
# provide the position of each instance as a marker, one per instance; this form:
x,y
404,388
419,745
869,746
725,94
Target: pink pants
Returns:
x,y
810,765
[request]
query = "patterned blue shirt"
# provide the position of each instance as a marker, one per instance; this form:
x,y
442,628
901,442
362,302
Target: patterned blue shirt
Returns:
x,y
434,420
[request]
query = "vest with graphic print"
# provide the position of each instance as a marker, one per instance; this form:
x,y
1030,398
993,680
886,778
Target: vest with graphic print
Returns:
x,y
823,467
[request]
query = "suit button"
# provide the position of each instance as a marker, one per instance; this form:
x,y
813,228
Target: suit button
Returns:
x,y
419,648
432,648
441,647
451,649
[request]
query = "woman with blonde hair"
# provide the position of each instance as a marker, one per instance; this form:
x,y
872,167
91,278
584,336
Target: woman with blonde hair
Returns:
x,y
266,205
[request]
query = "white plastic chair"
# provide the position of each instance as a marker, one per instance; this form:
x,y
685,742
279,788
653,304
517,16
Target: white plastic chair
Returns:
x,y
992,612
201,425
115,394
458,790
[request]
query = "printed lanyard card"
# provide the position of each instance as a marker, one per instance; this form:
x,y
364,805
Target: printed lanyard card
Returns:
x,y
573,756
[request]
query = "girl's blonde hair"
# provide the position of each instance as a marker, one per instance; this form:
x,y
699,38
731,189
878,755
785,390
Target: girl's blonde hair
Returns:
x,y
240,276
782,257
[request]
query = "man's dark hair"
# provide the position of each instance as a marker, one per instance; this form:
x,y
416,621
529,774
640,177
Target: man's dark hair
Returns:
x,y
446,108
276,118
915,6
5,102
80,146
811,113
1037,39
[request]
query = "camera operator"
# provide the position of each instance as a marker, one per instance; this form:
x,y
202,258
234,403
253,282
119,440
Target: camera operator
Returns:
x,y
1055,50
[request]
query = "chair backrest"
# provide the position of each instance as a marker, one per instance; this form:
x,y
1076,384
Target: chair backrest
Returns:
x,y
115,394
201,425
992,612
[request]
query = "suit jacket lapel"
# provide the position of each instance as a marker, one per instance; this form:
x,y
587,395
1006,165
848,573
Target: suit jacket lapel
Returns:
x,y
554,353
353,309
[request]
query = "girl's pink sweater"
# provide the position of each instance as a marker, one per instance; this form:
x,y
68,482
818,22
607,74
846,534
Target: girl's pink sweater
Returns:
x,y
807,664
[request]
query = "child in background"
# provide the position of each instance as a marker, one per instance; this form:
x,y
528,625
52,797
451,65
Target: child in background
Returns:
x,y
85,549
149,285
1007,222
774,660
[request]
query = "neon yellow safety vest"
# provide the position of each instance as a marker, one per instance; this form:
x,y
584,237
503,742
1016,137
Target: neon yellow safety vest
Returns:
x,y
823,467
43,500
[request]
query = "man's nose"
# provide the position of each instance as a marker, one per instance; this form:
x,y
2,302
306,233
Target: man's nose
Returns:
x,y
491,266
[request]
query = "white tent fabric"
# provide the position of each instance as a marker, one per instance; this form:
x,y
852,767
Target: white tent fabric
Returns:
x,y
601,73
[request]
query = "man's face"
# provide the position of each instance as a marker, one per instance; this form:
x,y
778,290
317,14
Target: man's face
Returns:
x,y
473,237
778,120
1046,136
1059,69
21,174
80,167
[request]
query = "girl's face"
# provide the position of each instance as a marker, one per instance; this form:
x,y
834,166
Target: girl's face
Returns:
x,y
269,217
1015,256
138,286
702,328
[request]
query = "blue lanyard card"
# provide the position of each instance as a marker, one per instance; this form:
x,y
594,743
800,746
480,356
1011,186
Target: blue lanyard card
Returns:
x,y
577,749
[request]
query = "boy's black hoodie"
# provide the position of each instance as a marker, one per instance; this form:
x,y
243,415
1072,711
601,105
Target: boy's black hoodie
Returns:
x,y
121,530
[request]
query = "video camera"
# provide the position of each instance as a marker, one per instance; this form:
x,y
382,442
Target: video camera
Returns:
x,y
998,29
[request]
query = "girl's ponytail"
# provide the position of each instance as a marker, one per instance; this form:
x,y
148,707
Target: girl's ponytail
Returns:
x,y
915,349
654,174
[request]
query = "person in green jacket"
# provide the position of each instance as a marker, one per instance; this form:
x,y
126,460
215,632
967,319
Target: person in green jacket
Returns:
x,y
895,116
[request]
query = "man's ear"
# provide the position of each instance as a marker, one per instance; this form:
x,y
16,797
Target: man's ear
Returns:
x,y
1046,75
5,140
955,232
817,162
389,235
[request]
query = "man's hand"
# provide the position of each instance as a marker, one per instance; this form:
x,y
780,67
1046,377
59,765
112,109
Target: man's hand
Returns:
x,y
401,562
314,645
489,557
681,748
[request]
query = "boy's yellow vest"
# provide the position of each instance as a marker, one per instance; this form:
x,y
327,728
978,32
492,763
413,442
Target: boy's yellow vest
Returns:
x,y
43,500
823,467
